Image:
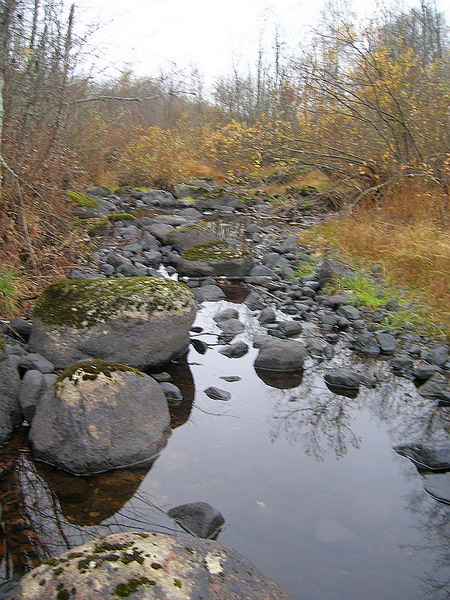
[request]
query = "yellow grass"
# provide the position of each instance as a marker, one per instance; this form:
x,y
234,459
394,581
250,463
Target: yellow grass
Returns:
x,y
408,236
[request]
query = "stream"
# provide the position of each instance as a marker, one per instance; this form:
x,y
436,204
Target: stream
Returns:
x,y
307,481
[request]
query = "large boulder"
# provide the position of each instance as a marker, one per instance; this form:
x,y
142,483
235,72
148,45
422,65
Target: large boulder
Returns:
x,y
184,238
100,416
214,259
148,566
281,355
10,413
138,321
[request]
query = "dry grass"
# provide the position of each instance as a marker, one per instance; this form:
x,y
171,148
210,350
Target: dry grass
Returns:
x,y
408,235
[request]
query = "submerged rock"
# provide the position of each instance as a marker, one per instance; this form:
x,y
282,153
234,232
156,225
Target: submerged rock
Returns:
x,y
148,566
217,394
343,382
100,416
438,486
427,457
199,518
141,321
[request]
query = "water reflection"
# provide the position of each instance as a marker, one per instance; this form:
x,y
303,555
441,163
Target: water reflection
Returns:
x,y
321,422
280,381
433,521
91,500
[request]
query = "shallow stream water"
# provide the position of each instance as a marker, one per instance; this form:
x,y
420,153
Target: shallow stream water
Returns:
x,y
307,480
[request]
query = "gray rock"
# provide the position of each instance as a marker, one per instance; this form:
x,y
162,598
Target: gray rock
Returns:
x,y
100,416
424,371
36,361
438,355
21,327
228,262
10,412
253,301
152,258
106,268
366,344
232,326
130,270
280,355
402,366
131,232
330,269
231,378
31,390
343,382
187,237
427,457
263,271
434,385
290,328
209,293
224,315
335,301
235,350
143,322
198,518
159,230
217,394
387,343
167,567
172,392
349,312
267,316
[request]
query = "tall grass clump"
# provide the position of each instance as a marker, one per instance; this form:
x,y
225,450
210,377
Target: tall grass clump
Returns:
x,y
408,235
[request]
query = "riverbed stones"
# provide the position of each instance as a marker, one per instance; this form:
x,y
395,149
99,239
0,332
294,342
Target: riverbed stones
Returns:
x,y
280,355
100,416
149,566
214,259
198,518
427,457
141,321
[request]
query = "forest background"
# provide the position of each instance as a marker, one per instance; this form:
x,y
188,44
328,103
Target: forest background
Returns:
x,y
360,112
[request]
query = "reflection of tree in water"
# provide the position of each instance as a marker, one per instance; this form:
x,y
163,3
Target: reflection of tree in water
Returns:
x,y
433,521
408,415
321,420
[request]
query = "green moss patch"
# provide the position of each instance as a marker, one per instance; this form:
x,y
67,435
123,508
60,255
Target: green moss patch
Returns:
x,y
81,199
126,589
121,217
216,250
89,370
83,303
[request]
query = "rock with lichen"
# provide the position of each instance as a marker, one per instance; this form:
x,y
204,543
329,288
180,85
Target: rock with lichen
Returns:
x,y
214,259
148,566
138,321
100,416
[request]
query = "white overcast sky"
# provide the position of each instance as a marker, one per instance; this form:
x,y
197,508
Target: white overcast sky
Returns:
x,y
152,35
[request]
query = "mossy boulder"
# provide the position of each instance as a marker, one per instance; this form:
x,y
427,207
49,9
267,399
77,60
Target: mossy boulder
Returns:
x,y
100,416
90,208
215,258
137,321
184,238
149,566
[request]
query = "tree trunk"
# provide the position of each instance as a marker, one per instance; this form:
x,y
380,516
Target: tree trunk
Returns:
x,y
6,10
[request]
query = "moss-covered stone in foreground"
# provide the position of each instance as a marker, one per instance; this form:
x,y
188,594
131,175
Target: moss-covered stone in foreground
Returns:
x,y
83,303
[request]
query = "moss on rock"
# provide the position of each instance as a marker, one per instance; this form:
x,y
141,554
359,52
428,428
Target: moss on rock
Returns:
x,y
215,250
81,199
121,217
84,303
91,369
